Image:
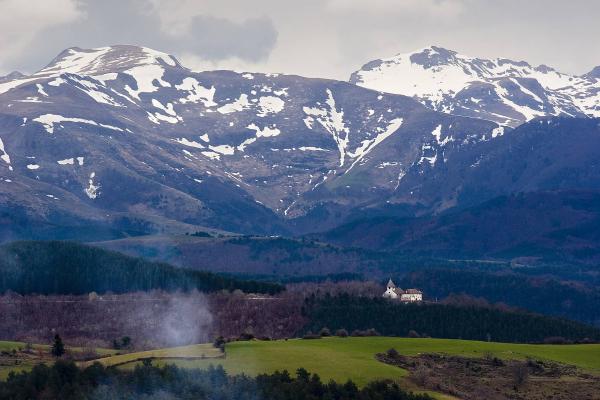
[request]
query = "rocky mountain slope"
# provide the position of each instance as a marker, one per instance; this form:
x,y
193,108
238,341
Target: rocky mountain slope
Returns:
x,y
501,90
125,140
553,226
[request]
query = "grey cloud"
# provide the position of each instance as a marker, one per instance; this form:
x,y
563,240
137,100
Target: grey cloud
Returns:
x,y
216,38
326,38
135,22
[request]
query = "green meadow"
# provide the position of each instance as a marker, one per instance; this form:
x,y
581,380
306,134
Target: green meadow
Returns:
x,y
353,358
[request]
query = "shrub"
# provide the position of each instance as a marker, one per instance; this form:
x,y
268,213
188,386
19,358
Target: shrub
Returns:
x,y
246,336
341,333
413,334
392,353
371,332
555,340
219,342
520,374
496,362
58,347
421,375
310,335
325,332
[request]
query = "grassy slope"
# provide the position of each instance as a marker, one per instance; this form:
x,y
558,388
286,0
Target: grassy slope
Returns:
x,y
27,363
353,358
193,351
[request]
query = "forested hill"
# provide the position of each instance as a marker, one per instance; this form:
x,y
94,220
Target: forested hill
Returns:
x,y
390,318
542,294
56,267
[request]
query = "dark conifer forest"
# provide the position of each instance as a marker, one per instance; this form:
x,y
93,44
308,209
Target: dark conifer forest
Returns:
x,y
390,318
65,381
56,267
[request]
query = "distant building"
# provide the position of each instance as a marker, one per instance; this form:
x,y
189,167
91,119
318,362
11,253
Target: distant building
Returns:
x,y
391,292
411,295
408,295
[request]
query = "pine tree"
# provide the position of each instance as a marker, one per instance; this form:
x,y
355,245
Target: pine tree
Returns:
x,y
58,347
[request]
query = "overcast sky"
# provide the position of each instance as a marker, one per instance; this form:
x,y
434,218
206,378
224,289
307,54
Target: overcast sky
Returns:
x,y
318,38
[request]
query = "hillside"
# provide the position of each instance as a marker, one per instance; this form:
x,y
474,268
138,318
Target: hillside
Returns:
x,y
439,320
282,258
338,360
72,268
127,140
552,225
124,141
253,255
541,293
148,381
359,359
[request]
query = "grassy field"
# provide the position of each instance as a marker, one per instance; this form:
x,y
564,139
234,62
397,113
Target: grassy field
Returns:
x,y
353,358
339,359
198,351
15,358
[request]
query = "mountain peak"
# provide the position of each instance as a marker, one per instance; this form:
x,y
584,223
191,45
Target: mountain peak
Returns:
x,y
12,76
593,74
103,60
432,56
501,90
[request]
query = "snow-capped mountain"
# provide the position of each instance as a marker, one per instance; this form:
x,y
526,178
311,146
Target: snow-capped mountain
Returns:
x,y
126,136
501,90
126,140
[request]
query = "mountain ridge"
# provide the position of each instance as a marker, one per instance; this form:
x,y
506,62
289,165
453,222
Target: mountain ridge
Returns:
x,y
152,141
128,141
501,90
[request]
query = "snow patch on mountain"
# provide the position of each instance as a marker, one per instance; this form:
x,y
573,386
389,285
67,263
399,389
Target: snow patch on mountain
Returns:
x,y
92,89
240,104
499,131
212,155
49,120
428,154
437,133
41,90
171,116
223,149
71,161
4,155
196,92
368,145
66,161
93,189
311,148
264,132
189,143
270,105
333,121
145,76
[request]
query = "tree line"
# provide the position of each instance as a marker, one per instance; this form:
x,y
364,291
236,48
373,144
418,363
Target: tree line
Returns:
x,y
391,318
65,381
57,267
543,295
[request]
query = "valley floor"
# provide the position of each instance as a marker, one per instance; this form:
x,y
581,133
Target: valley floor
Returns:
x,y
341,359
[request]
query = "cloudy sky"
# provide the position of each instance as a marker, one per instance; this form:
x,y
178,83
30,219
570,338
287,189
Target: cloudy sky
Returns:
x,y
320,38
